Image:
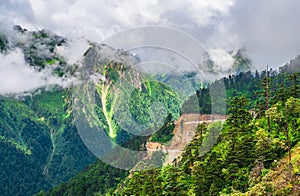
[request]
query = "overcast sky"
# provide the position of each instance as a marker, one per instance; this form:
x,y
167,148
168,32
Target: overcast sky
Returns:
x,y
267,29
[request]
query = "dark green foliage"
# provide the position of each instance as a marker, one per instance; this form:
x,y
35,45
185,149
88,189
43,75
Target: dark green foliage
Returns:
x,y
204,101
35,159
24,147
294,83
39,50
282,85
167,181
70,155
3,43
242,62
244,143
98,178
20,173
209,165
224,168
165,133
153,92
41,148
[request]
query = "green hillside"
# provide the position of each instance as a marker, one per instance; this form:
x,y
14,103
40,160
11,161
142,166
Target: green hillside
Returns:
x,y
38,135
43,150
250,153
244,159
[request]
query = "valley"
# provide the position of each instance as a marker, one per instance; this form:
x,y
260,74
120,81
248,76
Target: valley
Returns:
x,y
248,145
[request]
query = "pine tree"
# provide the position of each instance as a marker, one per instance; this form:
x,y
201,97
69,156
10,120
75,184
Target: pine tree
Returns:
x,y
294,89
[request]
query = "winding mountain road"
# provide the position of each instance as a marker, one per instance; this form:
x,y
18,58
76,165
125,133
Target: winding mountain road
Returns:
x,y
184,132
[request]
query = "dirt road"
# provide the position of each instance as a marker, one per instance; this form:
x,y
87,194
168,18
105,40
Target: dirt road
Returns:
x,y
184,132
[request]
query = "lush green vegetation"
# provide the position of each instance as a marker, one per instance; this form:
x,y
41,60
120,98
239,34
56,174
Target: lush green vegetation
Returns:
x,y
41,147
241,160
88,181
38,132
24,146
246,150
53,108
126,100
252,86
165,133
40,144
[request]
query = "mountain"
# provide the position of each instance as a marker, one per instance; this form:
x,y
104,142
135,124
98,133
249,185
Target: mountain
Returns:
x,y
39,135
254,154
41,145
47,135
226,63
39,142
248,157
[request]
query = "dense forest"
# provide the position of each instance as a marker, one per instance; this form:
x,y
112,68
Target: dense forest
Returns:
x,y
249,147
40,145
255,153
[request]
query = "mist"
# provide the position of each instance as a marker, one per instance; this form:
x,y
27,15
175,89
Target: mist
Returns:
x,y
267,30
18,77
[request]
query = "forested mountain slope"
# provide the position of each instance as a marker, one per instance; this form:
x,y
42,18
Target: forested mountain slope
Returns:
x,y
251,157
38,135
42,147
248,151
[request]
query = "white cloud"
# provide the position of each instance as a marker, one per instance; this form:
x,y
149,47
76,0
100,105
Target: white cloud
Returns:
x,y
16,76
268,30
207,11
223,59
73,51
95,19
